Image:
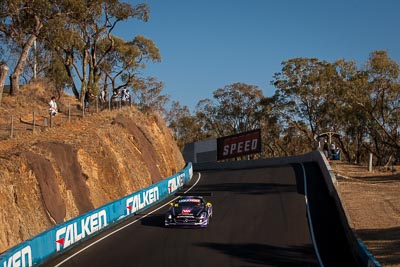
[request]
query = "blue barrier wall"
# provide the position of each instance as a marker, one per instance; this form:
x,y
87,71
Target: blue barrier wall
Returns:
x,y
64,236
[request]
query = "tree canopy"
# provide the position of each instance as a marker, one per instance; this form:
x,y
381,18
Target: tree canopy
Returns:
x,y
312,96
74,45
79,36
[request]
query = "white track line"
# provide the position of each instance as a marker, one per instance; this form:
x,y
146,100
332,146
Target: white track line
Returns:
x,y
123,227
309,218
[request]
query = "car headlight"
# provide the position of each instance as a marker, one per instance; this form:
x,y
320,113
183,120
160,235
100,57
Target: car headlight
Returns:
x,y
169,216
203,215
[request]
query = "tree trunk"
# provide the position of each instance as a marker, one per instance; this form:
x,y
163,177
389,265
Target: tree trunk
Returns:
x,y
16,75
3,75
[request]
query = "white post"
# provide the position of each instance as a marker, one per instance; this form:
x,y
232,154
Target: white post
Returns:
x,y
69,112
34,61
370,163
12,126
34,122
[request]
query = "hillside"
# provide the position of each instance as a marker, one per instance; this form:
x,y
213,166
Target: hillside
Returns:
x,y
372,202
51,175
48,176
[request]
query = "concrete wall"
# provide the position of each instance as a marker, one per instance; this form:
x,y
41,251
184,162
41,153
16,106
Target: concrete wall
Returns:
x,y
201,152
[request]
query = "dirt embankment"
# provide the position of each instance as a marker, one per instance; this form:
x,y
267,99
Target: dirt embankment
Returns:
x,y
53,176
372,200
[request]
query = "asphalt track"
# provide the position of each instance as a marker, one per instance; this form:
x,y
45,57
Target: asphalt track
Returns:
x,y
260,219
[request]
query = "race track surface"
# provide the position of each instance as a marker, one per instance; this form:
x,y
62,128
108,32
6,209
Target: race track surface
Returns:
x,y
259,219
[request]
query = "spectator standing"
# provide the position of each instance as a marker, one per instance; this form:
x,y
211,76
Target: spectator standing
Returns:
x,y
333,148
103,98
53,106
105,92
126,97
86,100
123,96
115,99
326,149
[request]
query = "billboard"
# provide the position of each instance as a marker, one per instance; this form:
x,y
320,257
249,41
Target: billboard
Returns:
x,y
239,144
66,235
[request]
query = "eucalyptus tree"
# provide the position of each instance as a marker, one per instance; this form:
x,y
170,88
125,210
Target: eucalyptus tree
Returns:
x,y
377,96
185,127
84,40
307,94
54,70
281,137
272,127
235,109
121,67
148,95
3,75
21,22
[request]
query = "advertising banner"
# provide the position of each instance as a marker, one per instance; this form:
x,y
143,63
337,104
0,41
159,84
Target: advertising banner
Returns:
x,y
239,145
65,235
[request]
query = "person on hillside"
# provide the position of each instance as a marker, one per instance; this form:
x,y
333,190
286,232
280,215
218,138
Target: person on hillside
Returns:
x,y
115,99
126,96
333,148
88,95
104,98
53,106
326,149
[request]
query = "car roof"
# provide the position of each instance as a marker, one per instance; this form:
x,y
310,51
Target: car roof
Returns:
x,y
188,197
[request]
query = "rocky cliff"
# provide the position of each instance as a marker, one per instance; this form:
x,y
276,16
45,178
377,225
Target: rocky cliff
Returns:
x,y
53,176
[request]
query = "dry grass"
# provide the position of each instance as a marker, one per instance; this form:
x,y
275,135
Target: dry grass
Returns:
x,y
372,200
28,112
90,161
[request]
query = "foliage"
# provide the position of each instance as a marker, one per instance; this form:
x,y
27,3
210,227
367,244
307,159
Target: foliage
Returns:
x,y
185,127
376,94
90,51
20,24
362,105
235,109
147,95
77,48
77,34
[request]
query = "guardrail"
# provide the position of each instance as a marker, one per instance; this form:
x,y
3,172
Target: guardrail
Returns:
x,y
359,250
64,236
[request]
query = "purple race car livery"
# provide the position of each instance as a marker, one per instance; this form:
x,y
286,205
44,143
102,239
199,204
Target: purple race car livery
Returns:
x,y
189,211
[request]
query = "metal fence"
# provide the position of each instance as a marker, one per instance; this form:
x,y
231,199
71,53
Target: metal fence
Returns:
x,y
36,121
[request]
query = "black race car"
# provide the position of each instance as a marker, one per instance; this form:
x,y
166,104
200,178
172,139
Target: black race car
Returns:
x,y
189,211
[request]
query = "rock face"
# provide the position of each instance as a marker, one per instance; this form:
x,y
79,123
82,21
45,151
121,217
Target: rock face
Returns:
x,y
53,176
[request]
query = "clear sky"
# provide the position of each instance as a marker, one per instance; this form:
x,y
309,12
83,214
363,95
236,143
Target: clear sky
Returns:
x,y
207,44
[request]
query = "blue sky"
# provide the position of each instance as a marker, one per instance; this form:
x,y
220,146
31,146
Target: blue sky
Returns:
x,y
207,44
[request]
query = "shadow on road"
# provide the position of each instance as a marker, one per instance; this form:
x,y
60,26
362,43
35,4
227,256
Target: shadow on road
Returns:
x,y
391,244
154,220
266,254
248,188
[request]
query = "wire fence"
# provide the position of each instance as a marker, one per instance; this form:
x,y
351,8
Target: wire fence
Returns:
x,y
36,121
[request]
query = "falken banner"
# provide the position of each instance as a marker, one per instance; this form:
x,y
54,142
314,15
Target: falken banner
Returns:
x,y
65,235
239,145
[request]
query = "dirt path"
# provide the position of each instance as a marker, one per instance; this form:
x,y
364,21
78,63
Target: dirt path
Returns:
x,y
372,200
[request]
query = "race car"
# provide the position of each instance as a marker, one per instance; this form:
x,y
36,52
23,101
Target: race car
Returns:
x,y
189,211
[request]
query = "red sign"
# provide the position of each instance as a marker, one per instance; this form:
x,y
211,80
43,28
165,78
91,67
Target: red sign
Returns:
x,y
239,145
186,211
